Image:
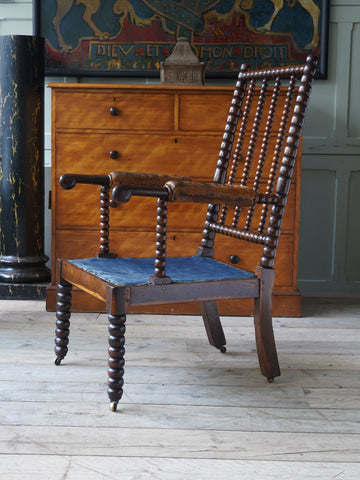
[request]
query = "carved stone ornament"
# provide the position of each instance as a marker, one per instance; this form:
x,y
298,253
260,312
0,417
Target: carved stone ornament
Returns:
x,y
182,67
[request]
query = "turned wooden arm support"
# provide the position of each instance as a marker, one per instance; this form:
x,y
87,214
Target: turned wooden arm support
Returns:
x,y
68,181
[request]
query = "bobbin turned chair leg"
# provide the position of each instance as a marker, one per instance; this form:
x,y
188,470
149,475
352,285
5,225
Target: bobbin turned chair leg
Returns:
x,y
116,361
264,334
63,313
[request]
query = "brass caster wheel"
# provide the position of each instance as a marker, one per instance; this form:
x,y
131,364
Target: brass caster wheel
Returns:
x,y
270,380
113,406
222,349
57,361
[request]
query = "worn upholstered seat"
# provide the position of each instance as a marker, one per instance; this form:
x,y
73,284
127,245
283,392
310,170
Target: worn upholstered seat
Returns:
x,y
246,201
138,271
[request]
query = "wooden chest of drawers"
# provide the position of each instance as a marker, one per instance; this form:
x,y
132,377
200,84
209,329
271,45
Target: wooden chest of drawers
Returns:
x,y
161,129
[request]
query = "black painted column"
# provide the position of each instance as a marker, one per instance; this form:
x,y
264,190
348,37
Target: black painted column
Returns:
x,y
22,258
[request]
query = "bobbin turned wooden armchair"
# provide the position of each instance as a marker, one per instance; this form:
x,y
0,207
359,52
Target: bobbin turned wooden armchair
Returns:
x,y
255,204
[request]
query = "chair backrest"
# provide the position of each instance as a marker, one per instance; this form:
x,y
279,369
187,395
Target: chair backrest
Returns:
x,y
259,150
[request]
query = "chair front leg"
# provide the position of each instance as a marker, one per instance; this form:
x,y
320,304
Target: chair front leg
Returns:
x,y
116,361
63,313
265,340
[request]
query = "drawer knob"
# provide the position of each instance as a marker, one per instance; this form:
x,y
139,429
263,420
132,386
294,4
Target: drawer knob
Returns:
x,y
234,259
114,111
114,154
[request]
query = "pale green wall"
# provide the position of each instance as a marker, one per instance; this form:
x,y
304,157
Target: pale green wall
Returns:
x,y
329,255
330,214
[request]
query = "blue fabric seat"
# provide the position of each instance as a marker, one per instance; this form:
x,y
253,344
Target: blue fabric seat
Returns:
x,y
136,271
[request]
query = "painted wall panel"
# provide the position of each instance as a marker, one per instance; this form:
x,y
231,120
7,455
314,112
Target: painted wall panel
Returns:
x,y
353,233
16,27
322,103
317,217
354,96
16,18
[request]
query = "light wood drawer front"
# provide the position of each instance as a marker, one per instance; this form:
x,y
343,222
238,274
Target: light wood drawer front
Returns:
x,y
209,112
73,211
249,257
203,113
135,111
82,244
80,153
194,156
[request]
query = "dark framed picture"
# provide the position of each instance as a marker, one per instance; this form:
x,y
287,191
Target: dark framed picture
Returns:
x,y
132,37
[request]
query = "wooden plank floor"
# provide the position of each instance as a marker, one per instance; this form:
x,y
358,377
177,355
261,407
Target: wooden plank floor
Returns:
x,y
188,411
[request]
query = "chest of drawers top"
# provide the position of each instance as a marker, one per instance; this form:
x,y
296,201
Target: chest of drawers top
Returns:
x,y
160,108
150,108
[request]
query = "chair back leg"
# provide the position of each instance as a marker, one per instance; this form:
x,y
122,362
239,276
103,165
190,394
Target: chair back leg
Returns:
x,y
265,340
213,325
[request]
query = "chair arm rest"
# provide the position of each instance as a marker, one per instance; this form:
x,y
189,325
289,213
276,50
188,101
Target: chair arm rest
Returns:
x,y
142,179
69,180
201,192
176,189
